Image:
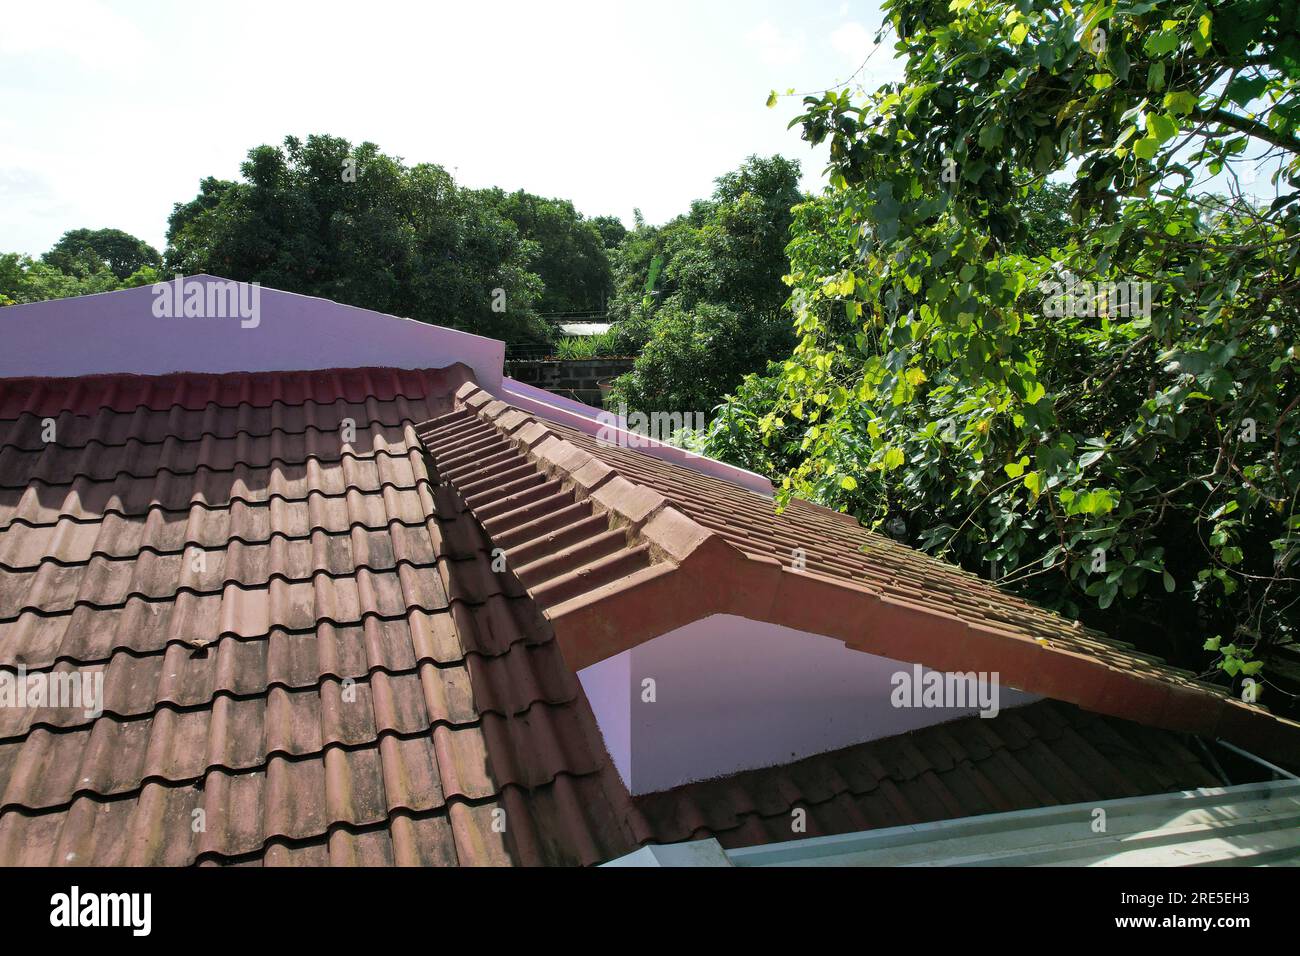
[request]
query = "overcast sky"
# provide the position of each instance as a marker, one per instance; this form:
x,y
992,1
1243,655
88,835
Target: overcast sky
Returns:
x,y
113,111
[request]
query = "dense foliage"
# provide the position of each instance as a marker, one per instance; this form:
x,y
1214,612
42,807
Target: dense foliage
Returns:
x,y
572,259
322,217
82,262
87,250
701,298
1140,470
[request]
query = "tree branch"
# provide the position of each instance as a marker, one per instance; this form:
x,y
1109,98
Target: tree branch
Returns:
x,y
1248,126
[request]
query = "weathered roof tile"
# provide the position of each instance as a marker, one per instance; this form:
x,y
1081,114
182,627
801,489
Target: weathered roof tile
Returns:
x,y
311,654
307,657
806,567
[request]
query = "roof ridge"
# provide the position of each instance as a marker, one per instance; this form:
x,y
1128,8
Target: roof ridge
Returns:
x,y
670,537
634,504
598,617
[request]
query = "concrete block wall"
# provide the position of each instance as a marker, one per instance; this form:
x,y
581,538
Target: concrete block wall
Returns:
x,y
572,378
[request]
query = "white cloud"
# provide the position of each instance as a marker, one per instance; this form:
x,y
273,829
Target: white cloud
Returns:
x,y
82,30
853,41
774,47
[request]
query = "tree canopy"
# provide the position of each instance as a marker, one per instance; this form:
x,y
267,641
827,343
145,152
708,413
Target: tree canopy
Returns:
x,y
84,251
1024,403
321,217
572,258
355,225
82,262
701,298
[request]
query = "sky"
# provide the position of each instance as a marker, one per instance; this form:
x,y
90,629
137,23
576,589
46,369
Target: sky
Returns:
x,y
111,112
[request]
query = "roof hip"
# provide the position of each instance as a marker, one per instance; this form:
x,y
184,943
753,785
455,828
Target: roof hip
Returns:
x,y
693,546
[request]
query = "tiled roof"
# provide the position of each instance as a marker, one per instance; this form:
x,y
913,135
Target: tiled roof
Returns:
x,y
306,654
309,657
1043,754
554,498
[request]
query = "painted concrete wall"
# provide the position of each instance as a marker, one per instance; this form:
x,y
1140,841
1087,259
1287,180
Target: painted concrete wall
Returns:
x,y
120,332
734,694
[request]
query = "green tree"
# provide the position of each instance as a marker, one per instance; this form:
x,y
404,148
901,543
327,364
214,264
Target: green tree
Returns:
x,y
85,251
693,357
611,229
572,258
321,217
702,296
1135,466
82,262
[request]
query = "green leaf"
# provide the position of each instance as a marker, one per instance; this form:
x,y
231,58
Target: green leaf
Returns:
x,y
1246,88
1161,127
849,483
1201,38
1180,102
1092,457
1166,41
1146,148
1095,502
1117,59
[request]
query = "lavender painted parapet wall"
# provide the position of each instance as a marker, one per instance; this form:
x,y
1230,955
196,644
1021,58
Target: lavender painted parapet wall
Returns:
x,y
119,332
733,694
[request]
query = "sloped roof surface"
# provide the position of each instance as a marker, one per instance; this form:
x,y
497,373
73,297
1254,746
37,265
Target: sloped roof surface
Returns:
x,y
306,654
1043,754
302,635
550,495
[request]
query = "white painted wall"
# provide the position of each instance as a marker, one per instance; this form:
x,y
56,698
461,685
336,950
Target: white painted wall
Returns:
x,y
734,694
119,332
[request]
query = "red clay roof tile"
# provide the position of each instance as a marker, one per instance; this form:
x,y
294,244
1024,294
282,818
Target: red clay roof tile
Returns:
x,y
305,644
1039,755
604,596
302,640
